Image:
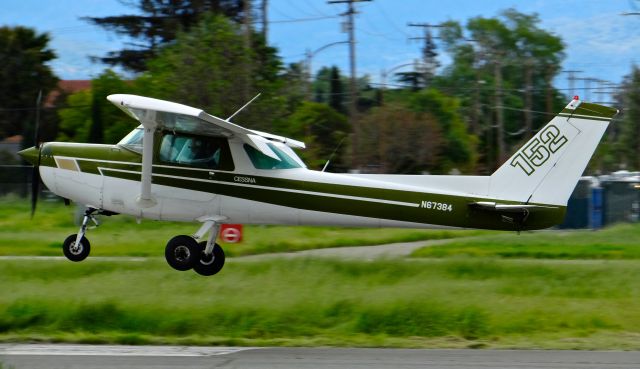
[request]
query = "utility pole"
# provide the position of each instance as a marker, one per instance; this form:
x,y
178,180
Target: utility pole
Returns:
x,y
499,113
428,51
247,43
528,97
265,21
571,78
353,88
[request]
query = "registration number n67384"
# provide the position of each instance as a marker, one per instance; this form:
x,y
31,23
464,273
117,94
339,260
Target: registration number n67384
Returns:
x,y
434,205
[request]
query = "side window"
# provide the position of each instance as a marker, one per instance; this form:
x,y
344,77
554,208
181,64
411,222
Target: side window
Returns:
x,y
196,151
262,161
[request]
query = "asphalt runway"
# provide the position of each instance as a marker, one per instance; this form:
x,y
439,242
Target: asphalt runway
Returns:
x,y
165,357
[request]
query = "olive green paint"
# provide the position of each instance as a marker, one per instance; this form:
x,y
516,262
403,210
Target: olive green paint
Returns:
x,y
279,191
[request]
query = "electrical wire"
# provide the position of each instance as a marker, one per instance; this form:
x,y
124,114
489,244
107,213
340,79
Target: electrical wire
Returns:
x,y
384,14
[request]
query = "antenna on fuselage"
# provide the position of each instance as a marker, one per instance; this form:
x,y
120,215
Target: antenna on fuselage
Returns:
x,y
332,154
243,106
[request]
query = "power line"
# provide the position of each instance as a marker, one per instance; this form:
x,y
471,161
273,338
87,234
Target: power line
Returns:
x,y
384,14
301,19
310,3
293,5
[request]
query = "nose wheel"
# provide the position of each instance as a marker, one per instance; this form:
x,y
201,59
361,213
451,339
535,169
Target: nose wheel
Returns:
x,y
76,247
74,250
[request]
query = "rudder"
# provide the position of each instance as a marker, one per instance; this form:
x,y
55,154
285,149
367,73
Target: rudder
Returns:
x,y
546,169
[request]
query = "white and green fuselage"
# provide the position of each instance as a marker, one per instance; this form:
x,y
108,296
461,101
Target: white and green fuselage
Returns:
x,y
530,191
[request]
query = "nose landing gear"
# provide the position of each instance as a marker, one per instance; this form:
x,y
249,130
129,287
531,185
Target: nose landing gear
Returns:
x,y
76,247
205,258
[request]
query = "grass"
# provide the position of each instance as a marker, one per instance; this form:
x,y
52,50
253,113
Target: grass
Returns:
x,y
561,289
122,236
394,303
617,242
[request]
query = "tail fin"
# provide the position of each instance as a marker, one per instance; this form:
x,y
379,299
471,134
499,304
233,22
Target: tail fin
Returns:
x,y
546,169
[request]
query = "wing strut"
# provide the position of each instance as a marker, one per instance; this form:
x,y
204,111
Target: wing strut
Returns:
x,y
145,199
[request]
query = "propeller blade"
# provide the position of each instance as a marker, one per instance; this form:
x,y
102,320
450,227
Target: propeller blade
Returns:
x,y
35,188
36,138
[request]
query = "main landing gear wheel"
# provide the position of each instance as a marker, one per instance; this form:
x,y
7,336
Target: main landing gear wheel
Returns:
x,y
209,264
75,252
182,252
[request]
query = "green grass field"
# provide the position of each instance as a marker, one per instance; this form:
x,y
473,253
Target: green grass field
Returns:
x,y
122,236
617,242
554,289
394,303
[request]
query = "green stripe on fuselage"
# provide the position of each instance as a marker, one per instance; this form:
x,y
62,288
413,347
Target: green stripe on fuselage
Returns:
x,y
280,191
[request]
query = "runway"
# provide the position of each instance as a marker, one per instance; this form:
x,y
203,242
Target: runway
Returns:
x,y
165,357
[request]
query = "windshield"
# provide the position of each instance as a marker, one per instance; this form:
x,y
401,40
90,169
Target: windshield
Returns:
x,y
133,140
262,161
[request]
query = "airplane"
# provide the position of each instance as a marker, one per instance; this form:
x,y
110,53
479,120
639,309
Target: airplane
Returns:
x,y
182,164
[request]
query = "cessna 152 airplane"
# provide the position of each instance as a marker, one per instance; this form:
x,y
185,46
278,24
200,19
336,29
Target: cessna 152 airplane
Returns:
x,y
182,164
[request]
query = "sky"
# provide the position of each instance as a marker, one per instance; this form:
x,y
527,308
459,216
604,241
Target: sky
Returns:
x,y
599,41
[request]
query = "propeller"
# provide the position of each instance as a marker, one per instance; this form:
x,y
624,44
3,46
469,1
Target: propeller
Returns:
x,y
35,174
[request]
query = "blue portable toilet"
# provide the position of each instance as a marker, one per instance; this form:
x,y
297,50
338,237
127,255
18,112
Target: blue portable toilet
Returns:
x,y
595,207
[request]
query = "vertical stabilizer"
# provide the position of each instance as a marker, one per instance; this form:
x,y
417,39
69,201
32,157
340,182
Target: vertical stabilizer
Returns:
x,y
546,169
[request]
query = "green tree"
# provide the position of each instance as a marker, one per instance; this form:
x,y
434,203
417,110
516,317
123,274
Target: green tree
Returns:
x,y
75,118
502,77
90,117
156,23
295,85
396,139
322,85
458,148
23,72
323,129
628,142
336,91
207,67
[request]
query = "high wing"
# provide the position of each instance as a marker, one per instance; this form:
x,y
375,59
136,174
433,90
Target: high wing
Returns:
x,y
182,118
155,114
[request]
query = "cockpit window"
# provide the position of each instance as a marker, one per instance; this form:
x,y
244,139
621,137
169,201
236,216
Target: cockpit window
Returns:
x,y
133,141
262,161
197,151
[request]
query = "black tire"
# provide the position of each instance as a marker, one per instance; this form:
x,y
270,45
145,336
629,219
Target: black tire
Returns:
x,y
209,265
78,254
182,252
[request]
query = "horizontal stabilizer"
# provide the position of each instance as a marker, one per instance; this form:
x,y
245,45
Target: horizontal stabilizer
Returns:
x,y
507,208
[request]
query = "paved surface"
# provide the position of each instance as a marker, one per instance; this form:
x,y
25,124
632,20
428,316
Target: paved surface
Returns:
x,y
391,250
154,357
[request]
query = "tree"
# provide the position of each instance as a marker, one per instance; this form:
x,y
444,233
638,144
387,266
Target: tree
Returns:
x,y
509,53
336,91
294,85
90,117
323,129
628,142
395,139
458,149
322,85
23,72
205,67
157,23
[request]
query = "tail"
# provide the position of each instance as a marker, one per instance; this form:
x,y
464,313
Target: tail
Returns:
x,y
546,169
